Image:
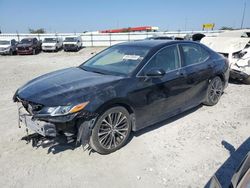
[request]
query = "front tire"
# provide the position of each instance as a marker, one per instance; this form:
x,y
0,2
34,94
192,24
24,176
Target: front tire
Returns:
x,y
214,91
111,130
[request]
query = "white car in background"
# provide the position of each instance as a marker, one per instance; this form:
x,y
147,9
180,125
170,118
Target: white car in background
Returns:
x,y
72,43
234,45
8,46
52,44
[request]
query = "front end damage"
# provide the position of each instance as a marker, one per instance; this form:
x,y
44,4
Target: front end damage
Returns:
x,y
46,130
240,65
237,50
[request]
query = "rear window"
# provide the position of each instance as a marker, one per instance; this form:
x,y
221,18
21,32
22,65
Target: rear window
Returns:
x,y
193,54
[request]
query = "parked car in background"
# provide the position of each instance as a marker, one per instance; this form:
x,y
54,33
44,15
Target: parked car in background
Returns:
x,y
124,88
234,45
52,44
8,47
29,46
72,43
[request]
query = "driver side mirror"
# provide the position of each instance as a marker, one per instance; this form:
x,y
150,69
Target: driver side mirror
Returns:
x,y
157,73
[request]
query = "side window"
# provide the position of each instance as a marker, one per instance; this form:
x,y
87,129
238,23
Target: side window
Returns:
x,y
166,59
13,42
194,54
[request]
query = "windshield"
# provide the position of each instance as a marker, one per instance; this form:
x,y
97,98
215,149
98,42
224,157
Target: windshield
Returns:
x,y
4,42
70,39
117,59
50,40
26,41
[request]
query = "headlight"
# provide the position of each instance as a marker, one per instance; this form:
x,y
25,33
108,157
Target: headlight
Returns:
x,y
64,110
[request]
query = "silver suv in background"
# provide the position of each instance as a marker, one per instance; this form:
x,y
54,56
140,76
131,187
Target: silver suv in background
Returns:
x,y
8,46
72,43
52,44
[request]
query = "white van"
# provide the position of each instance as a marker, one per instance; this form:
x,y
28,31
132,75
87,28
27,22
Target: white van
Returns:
x,y
52,44
72,43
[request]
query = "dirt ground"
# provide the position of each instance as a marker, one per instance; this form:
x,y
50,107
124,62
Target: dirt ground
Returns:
x,y
184,151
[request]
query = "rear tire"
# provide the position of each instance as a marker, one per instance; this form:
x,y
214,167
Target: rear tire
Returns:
x,y
214,91
111,130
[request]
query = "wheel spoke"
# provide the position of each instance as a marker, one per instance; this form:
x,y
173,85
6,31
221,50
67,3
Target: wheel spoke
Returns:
x,y
121,121
120,133
109,119
124,129
104,138
118,118
106,122
103,133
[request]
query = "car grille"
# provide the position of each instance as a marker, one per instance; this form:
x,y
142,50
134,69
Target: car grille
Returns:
x,y
48,46
23,48
69,45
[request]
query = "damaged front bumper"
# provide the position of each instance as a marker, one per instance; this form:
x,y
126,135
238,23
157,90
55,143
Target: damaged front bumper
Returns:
x,y
41,127
48,130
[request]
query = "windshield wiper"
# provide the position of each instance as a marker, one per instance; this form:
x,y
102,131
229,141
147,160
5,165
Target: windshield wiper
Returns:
x,y
99,72
95,71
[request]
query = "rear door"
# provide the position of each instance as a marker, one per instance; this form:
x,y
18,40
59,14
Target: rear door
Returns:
x,y
198,68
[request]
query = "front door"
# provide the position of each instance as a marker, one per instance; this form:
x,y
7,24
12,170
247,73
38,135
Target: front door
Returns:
x,y
157,98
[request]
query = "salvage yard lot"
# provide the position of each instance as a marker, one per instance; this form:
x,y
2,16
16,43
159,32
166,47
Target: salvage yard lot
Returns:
x,y
184,151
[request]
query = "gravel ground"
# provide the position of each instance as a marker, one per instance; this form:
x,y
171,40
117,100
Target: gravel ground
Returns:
x,y
184,151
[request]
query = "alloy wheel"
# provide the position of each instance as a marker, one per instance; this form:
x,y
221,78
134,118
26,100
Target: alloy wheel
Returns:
x,y
216,90
113,130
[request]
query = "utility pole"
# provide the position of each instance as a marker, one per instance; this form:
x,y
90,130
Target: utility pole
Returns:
x,y
243,16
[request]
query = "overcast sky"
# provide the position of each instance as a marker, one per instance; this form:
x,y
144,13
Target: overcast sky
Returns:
x,y
91,15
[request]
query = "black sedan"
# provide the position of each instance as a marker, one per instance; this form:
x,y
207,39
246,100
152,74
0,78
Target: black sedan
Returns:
x,y
124,88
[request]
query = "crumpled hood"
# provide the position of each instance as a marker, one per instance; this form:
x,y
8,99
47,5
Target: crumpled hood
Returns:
x,y
64,87
225,44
